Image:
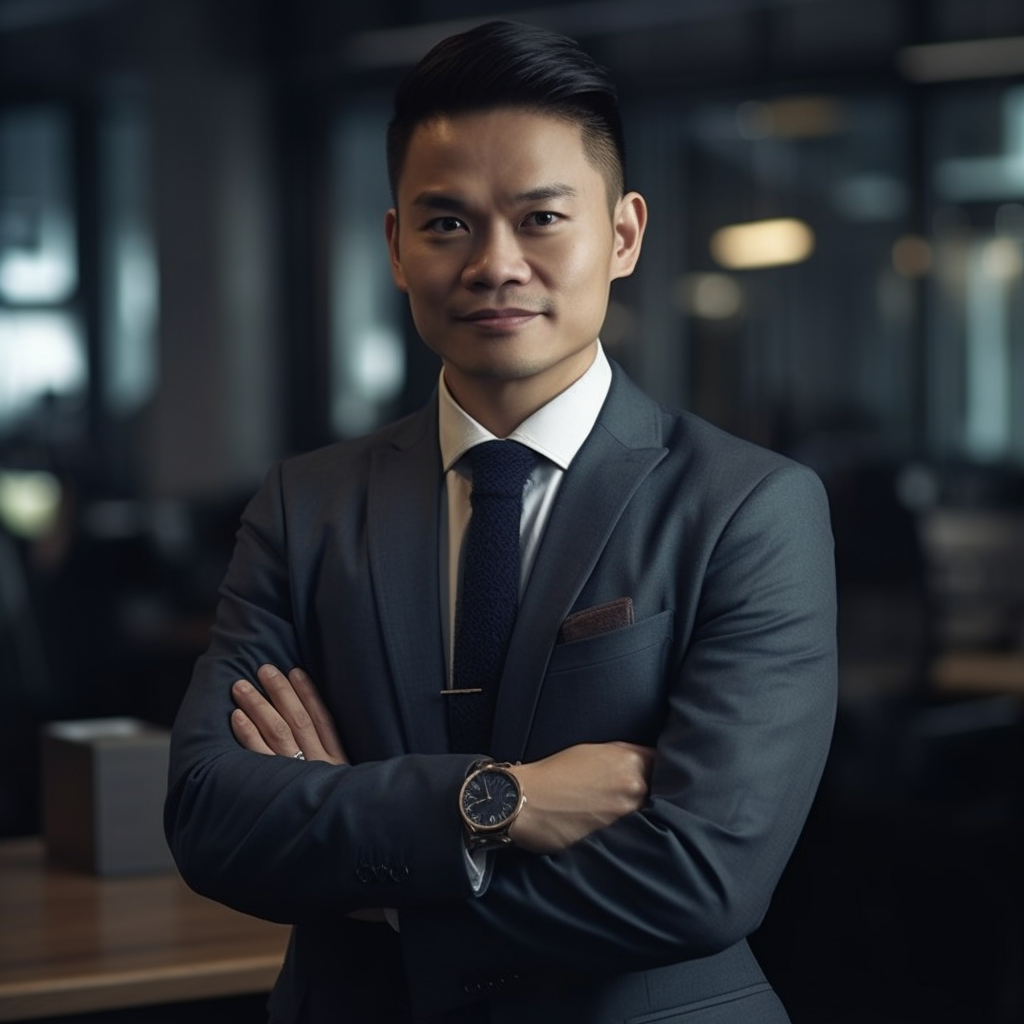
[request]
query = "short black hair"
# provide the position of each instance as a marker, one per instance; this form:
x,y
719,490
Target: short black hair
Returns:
x,y
509,64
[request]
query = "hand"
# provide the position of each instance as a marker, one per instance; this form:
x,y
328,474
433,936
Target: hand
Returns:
x,y
577,791
294,718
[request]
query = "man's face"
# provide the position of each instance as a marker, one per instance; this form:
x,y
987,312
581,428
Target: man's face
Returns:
x,y
505,244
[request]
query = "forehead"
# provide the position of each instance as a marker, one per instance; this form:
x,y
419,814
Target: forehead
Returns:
x,y
502,149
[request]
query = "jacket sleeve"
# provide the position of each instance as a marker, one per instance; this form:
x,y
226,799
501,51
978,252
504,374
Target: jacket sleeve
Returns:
x,y
283,839
751,706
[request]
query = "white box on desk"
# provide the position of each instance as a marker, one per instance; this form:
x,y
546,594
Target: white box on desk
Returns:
x,y
103,787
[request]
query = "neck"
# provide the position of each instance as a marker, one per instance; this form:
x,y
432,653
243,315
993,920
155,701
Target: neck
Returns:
x,y
501,404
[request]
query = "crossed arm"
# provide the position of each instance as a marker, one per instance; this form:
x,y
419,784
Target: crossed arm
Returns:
x,y
686,874
569,795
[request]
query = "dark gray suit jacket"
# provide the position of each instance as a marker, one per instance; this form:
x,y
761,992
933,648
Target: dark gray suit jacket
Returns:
x,y
729,670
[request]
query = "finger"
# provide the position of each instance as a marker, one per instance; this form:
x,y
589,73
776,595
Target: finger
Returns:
x,y
321,717
290,707
275,732
247,734
249,699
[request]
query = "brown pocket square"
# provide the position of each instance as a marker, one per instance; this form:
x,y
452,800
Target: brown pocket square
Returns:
x,y
602,618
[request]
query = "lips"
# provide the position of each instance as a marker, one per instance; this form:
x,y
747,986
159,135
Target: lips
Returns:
x,y
504,319
513,313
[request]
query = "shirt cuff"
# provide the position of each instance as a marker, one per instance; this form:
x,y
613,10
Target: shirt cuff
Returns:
x,y
476,867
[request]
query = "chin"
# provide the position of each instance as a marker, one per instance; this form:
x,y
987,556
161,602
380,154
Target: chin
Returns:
x,y
504,371
496,361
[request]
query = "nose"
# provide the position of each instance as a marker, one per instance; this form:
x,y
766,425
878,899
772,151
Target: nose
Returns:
x,y
496,260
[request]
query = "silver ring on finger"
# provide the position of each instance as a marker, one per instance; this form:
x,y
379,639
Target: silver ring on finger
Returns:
x,y
298,756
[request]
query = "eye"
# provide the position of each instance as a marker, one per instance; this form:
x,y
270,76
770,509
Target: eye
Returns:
x,y
446,225
542,219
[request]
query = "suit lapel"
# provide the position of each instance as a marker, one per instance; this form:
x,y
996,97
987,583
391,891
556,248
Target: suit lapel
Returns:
x,y
404,502
622,449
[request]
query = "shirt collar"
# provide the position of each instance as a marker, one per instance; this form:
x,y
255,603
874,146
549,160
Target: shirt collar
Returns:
x,y
556,430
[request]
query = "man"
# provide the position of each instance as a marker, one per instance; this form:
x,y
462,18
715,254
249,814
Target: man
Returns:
x,y
666,696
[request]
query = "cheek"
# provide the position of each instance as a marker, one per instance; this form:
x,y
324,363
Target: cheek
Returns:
x,y
582,277
580,266
423,283
423,314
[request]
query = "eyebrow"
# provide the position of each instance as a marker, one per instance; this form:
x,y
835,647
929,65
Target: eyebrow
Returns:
x,y
441,201
557,190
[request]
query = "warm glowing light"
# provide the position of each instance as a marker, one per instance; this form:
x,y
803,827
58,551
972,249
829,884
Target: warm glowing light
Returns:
x,y
765,243
911,256
1002,259
790,117
29,502
709,296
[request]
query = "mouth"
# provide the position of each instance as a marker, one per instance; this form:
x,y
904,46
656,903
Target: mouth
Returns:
x,y
500,319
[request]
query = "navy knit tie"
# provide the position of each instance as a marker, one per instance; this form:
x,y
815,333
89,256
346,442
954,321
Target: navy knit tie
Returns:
x,y
489,596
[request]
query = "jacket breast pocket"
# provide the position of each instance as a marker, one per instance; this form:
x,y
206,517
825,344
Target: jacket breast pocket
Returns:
x,y
607,687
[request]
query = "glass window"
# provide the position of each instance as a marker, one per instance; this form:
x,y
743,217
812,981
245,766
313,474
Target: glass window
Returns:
x,y
42,347
37,227
130,284
976,299
797,317
42,355
367,349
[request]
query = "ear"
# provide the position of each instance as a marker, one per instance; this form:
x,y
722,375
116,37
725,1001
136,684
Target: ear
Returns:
x,y
629,219
391,233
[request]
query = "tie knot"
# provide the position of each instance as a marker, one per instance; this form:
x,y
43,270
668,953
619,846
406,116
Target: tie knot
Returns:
x,y
500,468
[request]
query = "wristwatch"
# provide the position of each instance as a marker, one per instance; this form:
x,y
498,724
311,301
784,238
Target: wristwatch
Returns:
x,y
489,801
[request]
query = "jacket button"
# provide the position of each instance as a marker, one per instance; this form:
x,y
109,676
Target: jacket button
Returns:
x,y
364,873
400,874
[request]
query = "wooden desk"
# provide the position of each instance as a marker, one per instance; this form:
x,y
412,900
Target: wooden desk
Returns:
x,y
73,943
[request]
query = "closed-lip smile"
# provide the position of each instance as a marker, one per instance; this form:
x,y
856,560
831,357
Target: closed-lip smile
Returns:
x,y
498,314
500,318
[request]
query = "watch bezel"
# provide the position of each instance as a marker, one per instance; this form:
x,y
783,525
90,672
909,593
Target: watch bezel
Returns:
x,y
476,829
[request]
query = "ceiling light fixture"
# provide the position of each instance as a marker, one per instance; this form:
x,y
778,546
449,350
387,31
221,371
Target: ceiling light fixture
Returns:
x,y
764,243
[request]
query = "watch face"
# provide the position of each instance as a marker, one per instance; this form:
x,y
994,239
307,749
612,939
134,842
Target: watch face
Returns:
x,y
490,798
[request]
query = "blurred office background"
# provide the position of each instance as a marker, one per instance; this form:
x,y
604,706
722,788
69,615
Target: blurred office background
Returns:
x,y
193,283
